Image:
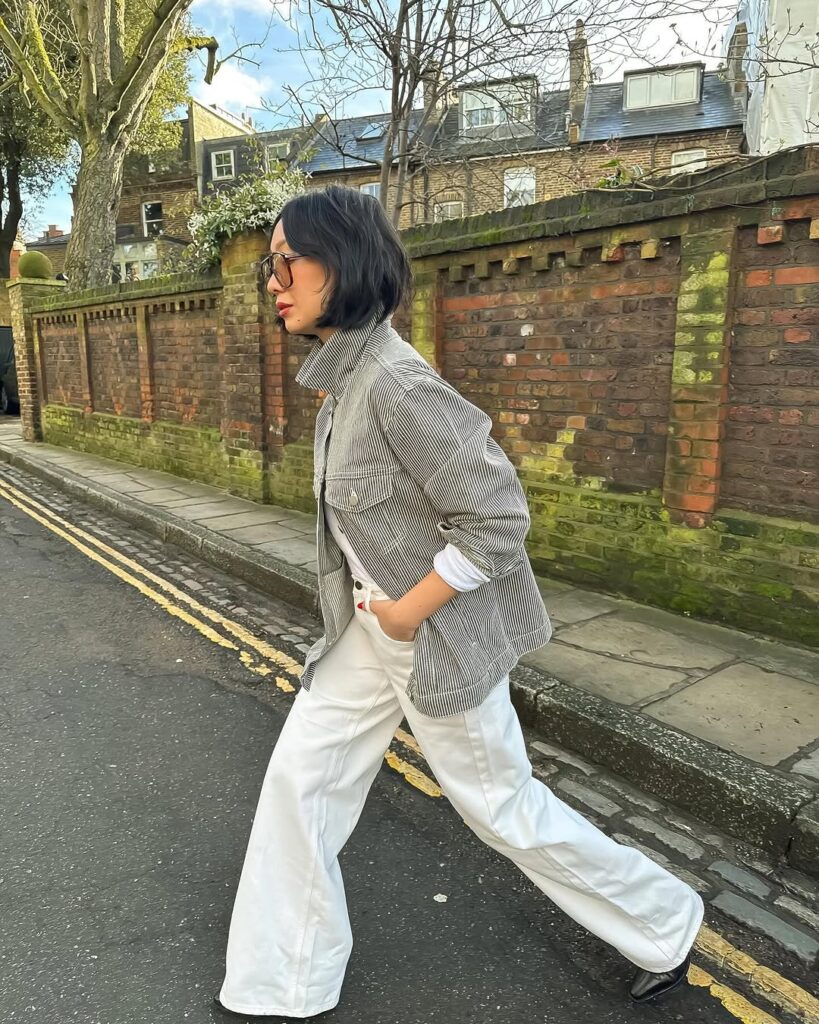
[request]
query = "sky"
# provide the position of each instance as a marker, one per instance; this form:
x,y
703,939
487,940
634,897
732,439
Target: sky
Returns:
x,y
244,87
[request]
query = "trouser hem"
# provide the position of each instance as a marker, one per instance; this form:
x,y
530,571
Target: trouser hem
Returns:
x,y
277,1011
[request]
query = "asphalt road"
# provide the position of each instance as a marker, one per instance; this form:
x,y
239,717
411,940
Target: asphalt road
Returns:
x,y
132,750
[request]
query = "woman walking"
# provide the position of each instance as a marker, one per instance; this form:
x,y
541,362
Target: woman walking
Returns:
x,y
428,601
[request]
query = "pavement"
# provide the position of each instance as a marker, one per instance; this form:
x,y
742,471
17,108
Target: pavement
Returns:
x,y
723,724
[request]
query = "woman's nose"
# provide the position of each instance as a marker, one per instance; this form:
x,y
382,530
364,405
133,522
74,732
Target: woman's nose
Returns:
x,y
273,286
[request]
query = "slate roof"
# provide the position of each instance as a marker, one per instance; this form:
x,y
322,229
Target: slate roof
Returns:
x,y
550,132
352,142
605,118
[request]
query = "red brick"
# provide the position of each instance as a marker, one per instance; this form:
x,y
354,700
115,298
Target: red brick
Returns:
x,y
796,335
790,417
801,209
797,275
690,502
768,234
758,278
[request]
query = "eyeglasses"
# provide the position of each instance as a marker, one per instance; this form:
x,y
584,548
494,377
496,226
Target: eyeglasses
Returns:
x,y
277,264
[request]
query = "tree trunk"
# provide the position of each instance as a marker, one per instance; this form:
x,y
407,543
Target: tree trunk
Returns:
x,y
14,212
93,229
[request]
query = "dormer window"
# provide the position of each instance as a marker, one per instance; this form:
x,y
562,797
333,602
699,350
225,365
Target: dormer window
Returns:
x,y
371,132
646,89
504,103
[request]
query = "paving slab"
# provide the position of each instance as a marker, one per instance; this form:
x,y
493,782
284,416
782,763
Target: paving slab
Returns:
x,y
188,501
122,483
808,766
762,715
550,586
579,605
769,654
263,533
156,495
229,524
620,636
211,509
296,552
621,681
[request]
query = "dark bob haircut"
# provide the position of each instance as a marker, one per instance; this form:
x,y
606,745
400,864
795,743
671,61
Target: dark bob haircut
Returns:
x,y
349,234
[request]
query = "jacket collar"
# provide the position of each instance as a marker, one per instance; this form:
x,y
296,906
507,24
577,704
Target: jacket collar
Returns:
x,y
330,366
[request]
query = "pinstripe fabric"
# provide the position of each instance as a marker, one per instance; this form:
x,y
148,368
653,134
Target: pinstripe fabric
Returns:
x,y
408,465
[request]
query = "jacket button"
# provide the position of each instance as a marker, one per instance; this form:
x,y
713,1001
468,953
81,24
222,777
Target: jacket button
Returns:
x,y
353,498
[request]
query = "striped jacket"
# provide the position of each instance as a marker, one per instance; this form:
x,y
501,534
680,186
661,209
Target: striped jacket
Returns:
x,y
408,465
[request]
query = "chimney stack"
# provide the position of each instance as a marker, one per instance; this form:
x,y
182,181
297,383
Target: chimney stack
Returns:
x,y
579,78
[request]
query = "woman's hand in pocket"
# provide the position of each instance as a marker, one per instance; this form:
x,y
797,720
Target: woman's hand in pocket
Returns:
x,y
392,622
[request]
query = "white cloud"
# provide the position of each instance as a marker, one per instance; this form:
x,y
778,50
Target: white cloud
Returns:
x,y
258,8
234,89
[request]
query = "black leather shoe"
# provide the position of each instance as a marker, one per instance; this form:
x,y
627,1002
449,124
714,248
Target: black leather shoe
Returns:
x,y
649,985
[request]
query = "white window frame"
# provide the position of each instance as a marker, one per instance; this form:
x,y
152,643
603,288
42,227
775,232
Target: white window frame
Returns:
x,y
371,188
678,94
223,152
442,211
697,160
278,146
505,103
146,222
512,177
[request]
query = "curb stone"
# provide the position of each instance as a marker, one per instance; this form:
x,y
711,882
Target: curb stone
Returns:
x,y
746,800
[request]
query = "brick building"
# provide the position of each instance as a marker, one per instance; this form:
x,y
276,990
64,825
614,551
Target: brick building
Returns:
x,y
508,143
158,196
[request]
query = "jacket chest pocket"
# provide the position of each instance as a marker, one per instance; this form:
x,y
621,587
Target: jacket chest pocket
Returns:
x,y
357,494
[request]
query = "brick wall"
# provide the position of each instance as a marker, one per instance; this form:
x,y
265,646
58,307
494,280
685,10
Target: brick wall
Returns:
x,y
572,362
113,359
184,338
771,461
60,359
649,363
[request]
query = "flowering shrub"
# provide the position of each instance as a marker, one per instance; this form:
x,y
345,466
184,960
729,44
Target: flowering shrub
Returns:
x,y
255,202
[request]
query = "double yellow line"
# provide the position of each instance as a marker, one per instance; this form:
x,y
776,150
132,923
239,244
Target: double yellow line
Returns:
x,y
265,660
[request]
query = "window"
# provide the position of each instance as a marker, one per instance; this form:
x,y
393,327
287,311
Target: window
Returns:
x,y
222,164
372,188
508,103
276,153
449,210
149,268
371,132
687,160
519,186
152,219
662,88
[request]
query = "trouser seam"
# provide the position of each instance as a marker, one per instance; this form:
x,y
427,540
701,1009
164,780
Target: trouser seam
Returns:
x,y
337,767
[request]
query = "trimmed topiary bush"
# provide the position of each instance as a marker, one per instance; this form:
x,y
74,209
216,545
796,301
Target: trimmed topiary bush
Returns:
x,y
35,264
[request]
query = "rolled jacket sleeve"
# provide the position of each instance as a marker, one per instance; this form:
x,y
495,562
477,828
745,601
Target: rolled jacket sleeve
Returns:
x,y
443,441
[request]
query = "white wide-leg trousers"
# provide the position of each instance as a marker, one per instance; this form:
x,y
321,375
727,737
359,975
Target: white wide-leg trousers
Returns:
x,y
290,936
